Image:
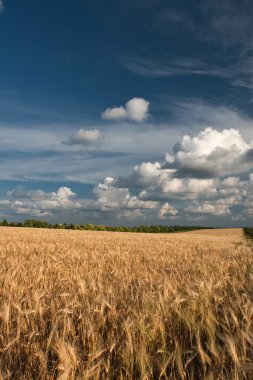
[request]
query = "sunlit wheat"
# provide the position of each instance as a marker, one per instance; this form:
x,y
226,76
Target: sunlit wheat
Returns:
x,y
100,305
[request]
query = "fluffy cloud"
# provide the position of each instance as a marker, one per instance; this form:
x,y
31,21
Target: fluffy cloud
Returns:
x,y
135,109
84,137
1,5
115,113
111,198
197,176
41,203
159,183
196,168
116,202
208,209
108,200
212,154
167,210
144,176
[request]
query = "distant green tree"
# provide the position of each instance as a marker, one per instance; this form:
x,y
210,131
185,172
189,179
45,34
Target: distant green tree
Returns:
x,y
100,227
90,227
59,226
28,223
75,227
36,223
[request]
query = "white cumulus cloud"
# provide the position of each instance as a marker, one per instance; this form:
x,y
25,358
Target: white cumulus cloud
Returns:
x,y
84,137
198,176
209,209
159,182
108,197
212,153
135,109
167,210
115,113
39,203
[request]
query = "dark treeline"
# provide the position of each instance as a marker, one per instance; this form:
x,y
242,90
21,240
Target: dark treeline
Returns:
x,y
92,227
248,232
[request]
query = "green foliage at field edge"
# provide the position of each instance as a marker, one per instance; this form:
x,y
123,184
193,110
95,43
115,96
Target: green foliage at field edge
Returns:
x,y
248,231
32,223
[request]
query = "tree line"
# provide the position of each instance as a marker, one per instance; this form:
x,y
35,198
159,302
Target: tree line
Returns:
x,y
248,231
32,223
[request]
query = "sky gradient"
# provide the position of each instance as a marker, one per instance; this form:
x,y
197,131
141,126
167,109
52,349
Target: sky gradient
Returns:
x,y
127,112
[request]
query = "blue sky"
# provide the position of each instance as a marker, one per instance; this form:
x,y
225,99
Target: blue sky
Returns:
x,y
127,112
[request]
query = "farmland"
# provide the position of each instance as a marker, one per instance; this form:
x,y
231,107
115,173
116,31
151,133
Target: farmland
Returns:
x,y
109,305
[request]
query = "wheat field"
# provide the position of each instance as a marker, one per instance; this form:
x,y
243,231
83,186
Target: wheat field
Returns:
x,y
101,305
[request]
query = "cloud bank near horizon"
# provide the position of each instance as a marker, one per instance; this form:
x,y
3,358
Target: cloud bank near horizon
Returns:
x,y
206,175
